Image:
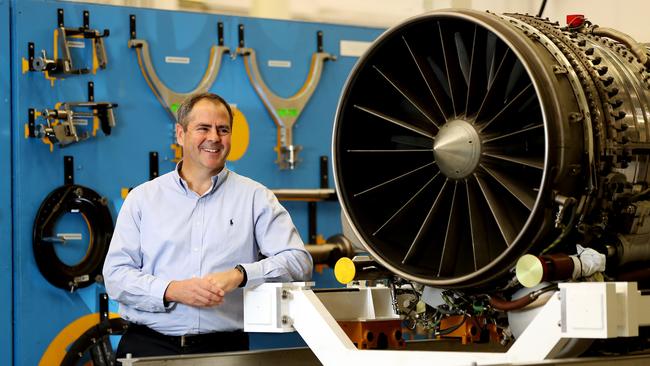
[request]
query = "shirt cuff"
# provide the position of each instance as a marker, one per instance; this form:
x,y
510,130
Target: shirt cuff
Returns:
x,y
158,288
254,273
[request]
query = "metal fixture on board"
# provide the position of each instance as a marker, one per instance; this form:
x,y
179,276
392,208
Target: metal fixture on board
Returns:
x,y
285,111
71,122
61,62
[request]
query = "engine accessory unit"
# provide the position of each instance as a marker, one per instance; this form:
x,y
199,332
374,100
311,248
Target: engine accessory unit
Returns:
x,y
94,210
464,140
285,111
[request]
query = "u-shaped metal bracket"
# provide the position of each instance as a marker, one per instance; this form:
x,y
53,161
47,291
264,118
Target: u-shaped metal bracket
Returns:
x,y
169,98
284,111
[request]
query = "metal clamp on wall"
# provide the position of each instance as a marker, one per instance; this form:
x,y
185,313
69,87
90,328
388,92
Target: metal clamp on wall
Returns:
x,y
72,198
171,99
62,121
285,111
62,42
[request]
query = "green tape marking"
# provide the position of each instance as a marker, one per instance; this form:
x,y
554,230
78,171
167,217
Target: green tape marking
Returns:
x,y
287,112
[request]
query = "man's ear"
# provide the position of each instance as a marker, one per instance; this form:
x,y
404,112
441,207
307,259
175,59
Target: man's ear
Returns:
x,y
179,134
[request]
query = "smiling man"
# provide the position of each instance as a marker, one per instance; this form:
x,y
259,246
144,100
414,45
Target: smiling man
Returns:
x,y
187,242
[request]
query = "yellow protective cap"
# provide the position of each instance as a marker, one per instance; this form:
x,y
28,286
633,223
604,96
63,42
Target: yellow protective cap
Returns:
x,y
529,270
344,270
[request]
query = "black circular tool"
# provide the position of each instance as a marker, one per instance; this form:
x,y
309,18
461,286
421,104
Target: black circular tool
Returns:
x,y
96,337
94,210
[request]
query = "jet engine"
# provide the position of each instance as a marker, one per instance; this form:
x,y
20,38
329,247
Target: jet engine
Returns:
x,y
465,140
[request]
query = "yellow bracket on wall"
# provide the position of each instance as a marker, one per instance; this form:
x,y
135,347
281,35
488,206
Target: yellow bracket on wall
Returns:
x,y
284,111
34,115
27,64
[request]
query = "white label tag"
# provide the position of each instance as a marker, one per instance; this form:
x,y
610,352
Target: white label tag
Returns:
x,y
76,44
177,60
353,48
82,278
279,63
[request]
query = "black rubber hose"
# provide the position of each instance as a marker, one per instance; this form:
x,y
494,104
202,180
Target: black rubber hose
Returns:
x,y
505,305
508,305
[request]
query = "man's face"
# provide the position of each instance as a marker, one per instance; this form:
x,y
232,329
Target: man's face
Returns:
x,y
206,143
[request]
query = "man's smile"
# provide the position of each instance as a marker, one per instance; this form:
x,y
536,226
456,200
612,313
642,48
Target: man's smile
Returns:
x,y
211,150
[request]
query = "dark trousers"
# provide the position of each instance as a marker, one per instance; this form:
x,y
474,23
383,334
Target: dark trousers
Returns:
x,y
142,341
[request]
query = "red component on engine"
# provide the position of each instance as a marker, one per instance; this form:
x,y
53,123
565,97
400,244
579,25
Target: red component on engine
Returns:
x,y
575,20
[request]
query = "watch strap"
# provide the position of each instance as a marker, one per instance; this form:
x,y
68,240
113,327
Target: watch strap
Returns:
x,y
241,269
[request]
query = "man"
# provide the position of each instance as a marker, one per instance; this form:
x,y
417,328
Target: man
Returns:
x,y
186,242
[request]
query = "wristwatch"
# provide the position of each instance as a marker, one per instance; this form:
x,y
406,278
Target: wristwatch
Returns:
x,y
241,269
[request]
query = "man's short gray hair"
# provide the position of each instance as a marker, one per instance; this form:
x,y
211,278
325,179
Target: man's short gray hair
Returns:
x,y
188,104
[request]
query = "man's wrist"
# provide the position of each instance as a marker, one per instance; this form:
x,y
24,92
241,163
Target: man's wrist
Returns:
x,y
168,294
242,270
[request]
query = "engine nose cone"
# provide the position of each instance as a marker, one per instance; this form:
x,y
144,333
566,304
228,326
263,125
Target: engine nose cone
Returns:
x,y
457,149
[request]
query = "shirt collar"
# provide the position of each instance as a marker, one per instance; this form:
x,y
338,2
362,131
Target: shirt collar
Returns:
x,y
217,180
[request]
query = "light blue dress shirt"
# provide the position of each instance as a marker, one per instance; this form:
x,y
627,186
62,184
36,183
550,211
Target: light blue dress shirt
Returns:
x,y
165,232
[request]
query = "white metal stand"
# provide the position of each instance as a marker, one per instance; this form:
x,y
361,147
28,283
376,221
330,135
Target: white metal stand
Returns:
x,y
578,310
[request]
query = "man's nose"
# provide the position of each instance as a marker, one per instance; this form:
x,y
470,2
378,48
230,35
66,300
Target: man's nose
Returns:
x,y
214,135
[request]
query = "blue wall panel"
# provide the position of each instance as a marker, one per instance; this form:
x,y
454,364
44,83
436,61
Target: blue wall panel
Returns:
x,y
5,188
109,163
